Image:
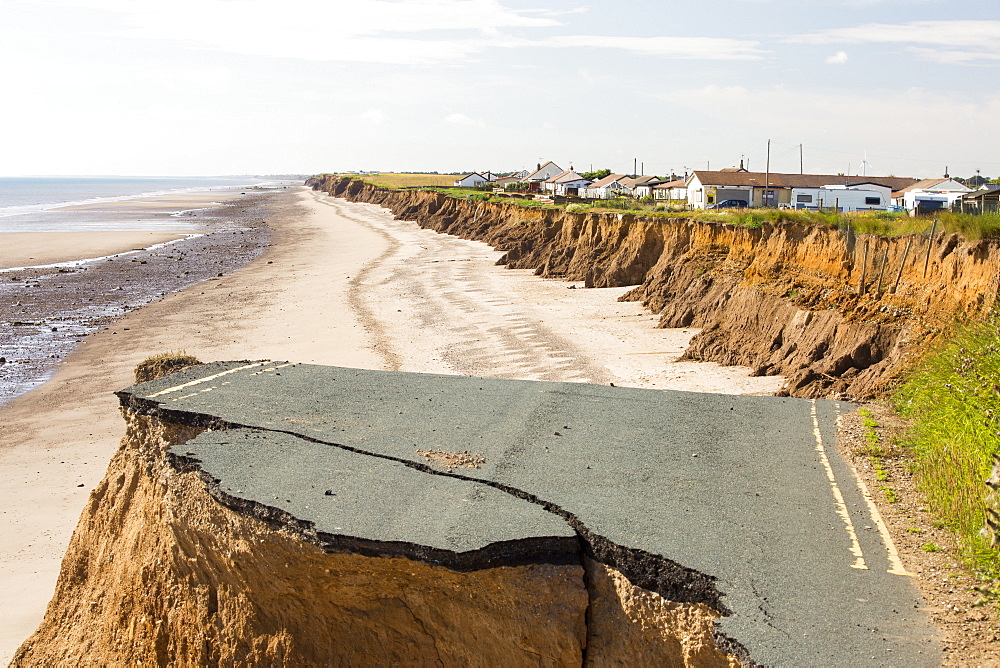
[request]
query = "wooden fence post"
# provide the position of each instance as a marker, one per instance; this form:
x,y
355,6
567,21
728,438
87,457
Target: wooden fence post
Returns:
x,y
864,269
902,263
881,273
930,242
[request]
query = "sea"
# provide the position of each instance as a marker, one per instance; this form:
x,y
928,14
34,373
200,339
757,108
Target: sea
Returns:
x,y
32,203
47,310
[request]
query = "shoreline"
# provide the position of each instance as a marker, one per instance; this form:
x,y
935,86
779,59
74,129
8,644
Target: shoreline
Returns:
x,y
327,290
76,282
38,250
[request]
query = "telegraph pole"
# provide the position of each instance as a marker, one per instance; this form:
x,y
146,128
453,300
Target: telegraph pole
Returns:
x,y
802,169
767,175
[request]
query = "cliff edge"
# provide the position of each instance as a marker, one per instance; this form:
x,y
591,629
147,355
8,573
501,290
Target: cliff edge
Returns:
x,y
836,312
287,514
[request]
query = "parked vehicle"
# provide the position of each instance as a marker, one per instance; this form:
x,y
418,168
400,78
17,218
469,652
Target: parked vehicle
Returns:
x,y
729,204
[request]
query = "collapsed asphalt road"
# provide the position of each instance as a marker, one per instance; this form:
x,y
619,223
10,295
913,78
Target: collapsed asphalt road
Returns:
x,y
742,503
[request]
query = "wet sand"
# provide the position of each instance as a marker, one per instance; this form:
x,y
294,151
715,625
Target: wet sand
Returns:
x,y
342,284
23,249
46,310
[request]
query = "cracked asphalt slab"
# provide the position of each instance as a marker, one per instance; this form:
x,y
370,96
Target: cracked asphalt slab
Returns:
x,y
741,502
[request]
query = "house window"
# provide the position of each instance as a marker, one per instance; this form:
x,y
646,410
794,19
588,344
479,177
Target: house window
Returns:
x,y
873,200
804,199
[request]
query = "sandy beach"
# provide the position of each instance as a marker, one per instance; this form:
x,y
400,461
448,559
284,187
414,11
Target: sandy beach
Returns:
x,y
342,284
22,249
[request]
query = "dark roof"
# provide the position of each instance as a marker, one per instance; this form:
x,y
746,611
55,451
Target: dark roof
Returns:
x,y
990,194
776,180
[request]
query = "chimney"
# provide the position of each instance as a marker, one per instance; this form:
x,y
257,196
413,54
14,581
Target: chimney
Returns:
x,y
539,166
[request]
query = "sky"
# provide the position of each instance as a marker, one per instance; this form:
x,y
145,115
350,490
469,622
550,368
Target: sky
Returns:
x,y
211,87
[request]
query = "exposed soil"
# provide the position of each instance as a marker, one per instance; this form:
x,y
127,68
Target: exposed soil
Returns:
x,y
833,311
453,460
970,632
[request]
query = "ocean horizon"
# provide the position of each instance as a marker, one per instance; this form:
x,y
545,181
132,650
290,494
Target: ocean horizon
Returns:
x,y
31,203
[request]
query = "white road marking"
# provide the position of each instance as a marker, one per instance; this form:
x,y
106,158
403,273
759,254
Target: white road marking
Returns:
x,y
206,379
838,497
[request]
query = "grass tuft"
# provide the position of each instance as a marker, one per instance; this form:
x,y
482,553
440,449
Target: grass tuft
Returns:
x,y
163,364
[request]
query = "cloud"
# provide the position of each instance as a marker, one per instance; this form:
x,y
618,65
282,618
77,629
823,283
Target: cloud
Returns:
x,y
373,116
942,41
462,119
412,32
702,48
839,58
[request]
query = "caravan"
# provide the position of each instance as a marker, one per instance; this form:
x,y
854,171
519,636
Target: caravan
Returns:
x,y
848,197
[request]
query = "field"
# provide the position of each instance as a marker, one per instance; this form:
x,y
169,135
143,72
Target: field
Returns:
x,y
410,180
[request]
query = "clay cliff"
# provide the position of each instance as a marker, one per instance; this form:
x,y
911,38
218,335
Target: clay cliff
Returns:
x,y
836,312
167,568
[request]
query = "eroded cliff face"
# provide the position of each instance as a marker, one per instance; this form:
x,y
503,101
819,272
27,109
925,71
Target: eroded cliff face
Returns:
x,y
837,313
160,571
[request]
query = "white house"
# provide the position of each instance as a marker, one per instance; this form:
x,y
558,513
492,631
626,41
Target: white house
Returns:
x,y
606,188
566,183
642,186
542,174
769,189
930,195
471,180
671,191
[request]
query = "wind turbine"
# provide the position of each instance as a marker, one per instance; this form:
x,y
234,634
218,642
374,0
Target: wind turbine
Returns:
x,y
865,164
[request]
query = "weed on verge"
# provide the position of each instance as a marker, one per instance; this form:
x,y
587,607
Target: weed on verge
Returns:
x,y
953,401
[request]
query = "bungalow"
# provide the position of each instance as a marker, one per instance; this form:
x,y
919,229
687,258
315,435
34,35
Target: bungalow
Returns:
x,y
642,186
567,183
541,174
983,200
674,192
609,187
471,180
706,188
930,195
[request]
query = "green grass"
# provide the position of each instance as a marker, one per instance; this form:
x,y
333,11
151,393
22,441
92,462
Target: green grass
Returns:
x,y
890,494
873,442
970,226
930,547
953,402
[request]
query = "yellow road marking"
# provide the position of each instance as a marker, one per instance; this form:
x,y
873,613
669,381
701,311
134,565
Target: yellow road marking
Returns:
x,y
895,562
838,497
206,379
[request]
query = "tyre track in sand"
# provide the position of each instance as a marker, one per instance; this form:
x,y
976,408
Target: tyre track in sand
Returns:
x,y
435,303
